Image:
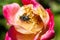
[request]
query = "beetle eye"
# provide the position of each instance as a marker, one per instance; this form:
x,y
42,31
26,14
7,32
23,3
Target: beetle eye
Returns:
x,y
24,18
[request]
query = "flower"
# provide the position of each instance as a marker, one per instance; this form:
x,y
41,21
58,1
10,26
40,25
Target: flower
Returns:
x,y
29,22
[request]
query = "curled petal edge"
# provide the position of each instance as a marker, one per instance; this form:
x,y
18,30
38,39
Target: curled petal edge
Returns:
x,y
50,33
9,12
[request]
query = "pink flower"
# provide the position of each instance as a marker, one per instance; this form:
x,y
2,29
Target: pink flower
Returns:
x,y
29,22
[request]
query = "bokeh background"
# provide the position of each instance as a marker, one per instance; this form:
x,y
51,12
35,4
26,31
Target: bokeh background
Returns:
x,y
54,5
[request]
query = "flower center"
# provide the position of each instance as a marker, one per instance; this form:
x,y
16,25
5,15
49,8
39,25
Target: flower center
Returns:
x,y
30,20
24,18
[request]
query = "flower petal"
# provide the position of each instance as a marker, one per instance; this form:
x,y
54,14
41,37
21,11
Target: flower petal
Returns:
x,y
51,20
50,33
14,35
7,37
9,11
26,2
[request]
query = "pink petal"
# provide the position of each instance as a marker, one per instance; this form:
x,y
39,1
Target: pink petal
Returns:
x,y
25,2
14,35
11,34
9,11
51,21
50,33
7,37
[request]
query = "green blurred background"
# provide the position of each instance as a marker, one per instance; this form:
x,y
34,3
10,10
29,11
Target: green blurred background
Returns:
x,y
53,4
